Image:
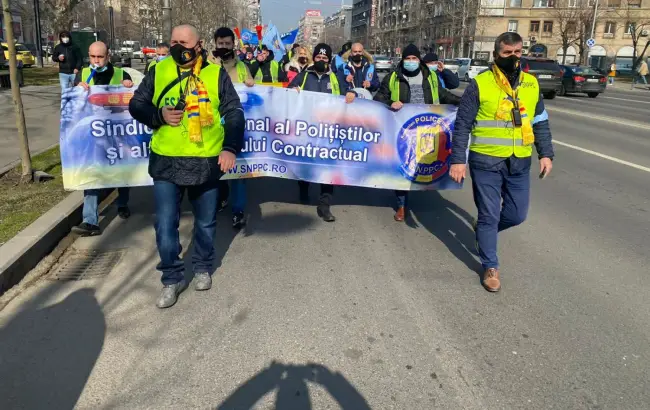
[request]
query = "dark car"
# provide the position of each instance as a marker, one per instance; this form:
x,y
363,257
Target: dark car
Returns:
x,y
582,79
548,73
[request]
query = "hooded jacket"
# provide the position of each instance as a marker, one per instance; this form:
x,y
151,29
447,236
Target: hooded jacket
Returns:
x,y
72,58
384,94
360,74
266,69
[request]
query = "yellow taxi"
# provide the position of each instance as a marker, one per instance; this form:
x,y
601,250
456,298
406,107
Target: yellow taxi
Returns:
x,y
22,54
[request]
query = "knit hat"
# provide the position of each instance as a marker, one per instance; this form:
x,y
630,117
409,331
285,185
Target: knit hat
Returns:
x,y
411,50
430,58
323,49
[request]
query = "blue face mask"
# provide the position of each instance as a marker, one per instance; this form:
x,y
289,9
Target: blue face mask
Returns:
x,y
160,58
411,66
98,69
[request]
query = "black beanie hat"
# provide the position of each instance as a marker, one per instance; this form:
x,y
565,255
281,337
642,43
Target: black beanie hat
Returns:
x,y
411,50
323,49
430,58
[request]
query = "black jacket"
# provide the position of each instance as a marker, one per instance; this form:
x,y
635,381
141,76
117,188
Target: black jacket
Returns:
x,y
318,83
101,78
72,58
266,71
190,170
383,95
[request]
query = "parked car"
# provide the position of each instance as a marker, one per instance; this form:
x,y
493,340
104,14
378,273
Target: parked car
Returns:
x,y
452,65
22,54
579,79
396,60
548,73
383,63
470,68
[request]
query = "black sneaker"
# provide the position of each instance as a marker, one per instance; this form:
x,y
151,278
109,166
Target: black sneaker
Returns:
x,y
222,205
238,220
124,212
86,229
324,212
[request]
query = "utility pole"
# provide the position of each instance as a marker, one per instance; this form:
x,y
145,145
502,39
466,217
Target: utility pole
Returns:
x,y
167,21
39,44
25,157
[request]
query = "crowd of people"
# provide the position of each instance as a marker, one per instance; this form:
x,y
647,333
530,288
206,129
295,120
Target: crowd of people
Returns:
x,y
187,97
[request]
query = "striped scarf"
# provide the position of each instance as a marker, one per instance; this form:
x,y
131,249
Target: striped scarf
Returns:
x,y
199,109
506,105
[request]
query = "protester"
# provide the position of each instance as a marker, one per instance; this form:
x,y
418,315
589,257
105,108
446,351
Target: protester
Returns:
x,y
359,70
299,63
69,58
411,83
100,72
195,141
446,77
503,112
265,69
338,61
250,55
162,51
224,39
321,79
290,55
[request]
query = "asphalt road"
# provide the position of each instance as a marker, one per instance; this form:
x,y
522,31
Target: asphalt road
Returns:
x,y
393,314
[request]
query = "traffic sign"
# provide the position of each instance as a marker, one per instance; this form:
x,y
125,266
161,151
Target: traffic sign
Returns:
x,y
591,42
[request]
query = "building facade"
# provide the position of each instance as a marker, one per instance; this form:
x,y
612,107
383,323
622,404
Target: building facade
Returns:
x,y
338,27
364,14
310,28
253,14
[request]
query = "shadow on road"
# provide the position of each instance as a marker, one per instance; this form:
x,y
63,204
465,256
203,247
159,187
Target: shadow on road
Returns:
x,y
48,353
451,224
291,383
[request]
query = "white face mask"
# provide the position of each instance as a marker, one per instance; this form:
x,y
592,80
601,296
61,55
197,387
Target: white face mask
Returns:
x,y
65,40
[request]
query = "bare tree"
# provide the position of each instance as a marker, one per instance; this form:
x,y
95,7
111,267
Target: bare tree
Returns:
x,y
25,156
637,25
61,11
567,16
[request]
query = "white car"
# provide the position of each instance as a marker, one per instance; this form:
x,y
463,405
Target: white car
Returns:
x,y
138,55
383,63
470,68
452,65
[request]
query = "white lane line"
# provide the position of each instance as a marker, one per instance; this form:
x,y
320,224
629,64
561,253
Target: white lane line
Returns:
x,y
624,99
607,157
600,118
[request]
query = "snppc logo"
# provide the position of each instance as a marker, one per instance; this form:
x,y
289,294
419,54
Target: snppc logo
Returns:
x,y
424,146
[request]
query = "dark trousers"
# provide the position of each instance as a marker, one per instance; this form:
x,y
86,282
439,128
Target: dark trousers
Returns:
x,y
168,198
502,198
326,192
401,198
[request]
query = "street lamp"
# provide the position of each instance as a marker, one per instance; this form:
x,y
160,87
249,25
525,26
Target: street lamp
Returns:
x,y
39,44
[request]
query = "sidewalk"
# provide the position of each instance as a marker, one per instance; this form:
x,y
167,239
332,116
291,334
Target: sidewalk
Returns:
x,y
42,114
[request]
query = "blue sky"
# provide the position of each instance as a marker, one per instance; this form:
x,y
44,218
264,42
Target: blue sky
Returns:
x,y
286,13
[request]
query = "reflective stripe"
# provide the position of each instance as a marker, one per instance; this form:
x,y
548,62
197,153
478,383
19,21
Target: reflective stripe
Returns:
x,y
502,142
493,123
539,118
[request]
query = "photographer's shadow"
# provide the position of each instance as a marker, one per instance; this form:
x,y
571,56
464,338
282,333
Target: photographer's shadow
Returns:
x,y
290,381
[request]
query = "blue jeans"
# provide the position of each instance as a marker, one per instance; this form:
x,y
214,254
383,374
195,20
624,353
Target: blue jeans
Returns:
x,y
168,198
66,80
238,195
400,198
642,77
91,203
502,199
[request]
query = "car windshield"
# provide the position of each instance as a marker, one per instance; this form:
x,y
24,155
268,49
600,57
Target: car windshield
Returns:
x,y
543,65
479,63
585,70
20,47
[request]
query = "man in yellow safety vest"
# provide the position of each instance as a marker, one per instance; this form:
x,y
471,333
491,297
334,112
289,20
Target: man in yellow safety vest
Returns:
x,y
162,52
198,124
501,115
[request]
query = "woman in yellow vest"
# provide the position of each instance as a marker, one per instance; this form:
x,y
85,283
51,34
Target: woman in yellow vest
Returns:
x,y
501,116
100,72
411,83
198,124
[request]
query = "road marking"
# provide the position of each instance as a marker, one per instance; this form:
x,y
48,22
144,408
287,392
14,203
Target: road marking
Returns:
x,y
600,118
624,99
607,157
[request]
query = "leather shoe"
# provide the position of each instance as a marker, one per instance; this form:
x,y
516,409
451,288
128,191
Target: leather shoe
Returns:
x,y
324,212
400,215
491,281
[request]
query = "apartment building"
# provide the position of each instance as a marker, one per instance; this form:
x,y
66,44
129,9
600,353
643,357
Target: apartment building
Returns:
x,y
338,27
310,28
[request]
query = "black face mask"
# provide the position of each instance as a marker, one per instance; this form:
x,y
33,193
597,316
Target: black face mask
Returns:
x,y
182,55
508,65
320,66
223,53
302,60
356,58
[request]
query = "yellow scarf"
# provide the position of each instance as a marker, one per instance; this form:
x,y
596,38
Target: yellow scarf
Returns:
x,y
198,107
506,105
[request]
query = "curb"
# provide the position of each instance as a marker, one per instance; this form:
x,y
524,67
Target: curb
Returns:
x,y
25,250
14,164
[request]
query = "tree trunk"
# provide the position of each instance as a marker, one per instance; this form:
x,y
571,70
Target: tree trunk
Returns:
x,y
25,157
565,47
